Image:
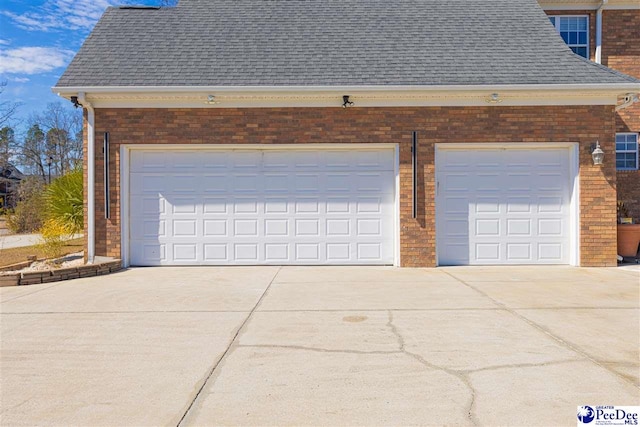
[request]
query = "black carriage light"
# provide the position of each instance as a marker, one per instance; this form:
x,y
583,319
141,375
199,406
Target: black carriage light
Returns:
x,y
597,154
345,101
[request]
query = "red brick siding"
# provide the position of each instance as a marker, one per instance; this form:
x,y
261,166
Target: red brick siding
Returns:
x,y
621,41
583,124
621,51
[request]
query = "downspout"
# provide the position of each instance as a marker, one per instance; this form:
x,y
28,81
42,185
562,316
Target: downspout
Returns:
x,y
599,32
91,177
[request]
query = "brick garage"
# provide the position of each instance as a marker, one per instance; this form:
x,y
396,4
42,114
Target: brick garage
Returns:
x,y
281,81
584,124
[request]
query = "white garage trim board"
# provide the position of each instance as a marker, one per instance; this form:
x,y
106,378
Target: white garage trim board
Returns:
x,y
249,205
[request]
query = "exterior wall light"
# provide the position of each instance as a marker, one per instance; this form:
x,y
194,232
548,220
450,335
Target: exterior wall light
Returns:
x,y
211,100
597,154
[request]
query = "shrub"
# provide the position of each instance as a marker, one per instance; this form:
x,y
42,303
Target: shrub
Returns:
x,y
28,215
54,234
63,201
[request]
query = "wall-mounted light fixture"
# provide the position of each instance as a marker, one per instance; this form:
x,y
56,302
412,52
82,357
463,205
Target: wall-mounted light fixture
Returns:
x,y
494,98
597,154
74,101
345,101
211,100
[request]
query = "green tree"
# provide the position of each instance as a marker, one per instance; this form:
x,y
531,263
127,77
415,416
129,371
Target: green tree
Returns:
x,y
7,144
33,151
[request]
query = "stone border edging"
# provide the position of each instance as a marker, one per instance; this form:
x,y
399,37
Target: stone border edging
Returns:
x,y
19,265
56,275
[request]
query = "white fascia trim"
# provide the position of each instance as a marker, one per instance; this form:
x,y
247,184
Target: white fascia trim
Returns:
x,y
72,91
363,96
588,5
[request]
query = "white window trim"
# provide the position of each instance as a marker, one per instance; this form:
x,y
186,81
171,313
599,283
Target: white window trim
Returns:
x,y
629,151
557,26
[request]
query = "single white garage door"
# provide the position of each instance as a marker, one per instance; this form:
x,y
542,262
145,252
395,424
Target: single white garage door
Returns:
x,y
277,206
503,206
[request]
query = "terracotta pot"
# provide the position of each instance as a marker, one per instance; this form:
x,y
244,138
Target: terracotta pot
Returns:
x,y
628,239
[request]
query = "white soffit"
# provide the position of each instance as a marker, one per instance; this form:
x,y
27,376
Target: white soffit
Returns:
x,y
230,97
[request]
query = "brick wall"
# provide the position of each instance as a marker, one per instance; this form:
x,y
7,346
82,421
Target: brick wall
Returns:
x,y
621,51
621,40
583,124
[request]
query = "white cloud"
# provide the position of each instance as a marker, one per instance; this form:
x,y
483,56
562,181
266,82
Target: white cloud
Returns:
x,y
19,79
4,42
33,60
62,15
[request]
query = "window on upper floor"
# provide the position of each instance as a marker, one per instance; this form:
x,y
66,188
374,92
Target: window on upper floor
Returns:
x,y
574,30
626,151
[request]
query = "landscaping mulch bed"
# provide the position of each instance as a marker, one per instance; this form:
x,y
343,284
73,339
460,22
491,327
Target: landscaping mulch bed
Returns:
x,y
17,255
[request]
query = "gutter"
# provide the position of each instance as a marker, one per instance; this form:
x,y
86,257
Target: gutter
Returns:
x,y
599,32
72,90
91,177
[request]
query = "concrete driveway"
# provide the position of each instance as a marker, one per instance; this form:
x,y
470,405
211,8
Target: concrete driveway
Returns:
x,y
320,346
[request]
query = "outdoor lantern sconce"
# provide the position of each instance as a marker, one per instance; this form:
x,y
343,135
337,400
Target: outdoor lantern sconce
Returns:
x,y
597,154
211,100
345,101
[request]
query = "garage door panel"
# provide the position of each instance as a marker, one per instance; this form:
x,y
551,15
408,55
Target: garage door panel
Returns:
x,y
515,213
271,207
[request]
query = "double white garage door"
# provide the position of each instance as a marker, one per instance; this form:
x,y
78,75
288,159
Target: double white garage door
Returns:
x,y
262,207
334,206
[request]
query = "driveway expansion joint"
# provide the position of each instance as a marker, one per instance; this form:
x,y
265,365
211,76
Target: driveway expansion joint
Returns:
x,y
232,345
564,343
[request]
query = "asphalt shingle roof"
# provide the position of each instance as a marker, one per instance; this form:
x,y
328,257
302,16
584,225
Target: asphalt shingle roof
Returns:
x,y
332,43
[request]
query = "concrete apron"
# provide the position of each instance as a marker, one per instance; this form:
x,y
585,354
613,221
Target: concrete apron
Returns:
x,y
320,346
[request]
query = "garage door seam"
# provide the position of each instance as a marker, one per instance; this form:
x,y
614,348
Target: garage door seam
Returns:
x,y
227,350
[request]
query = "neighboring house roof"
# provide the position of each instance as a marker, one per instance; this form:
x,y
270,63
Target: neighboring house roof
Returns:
x,y
8,171
330,43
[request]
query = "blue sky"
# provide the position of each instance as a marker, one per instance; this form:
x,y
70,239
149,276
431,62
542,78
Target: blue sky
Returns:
x,y
38,38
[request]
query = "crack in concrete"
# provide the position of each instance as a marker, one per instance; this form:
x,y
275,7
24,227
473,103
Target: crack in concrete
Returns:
x,y
457,374
564,343
316,349
228,350
516,365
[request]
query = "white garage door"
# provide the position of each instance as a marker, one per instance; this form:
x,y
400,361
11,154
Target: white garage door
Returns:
x,y
503,206
262,207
